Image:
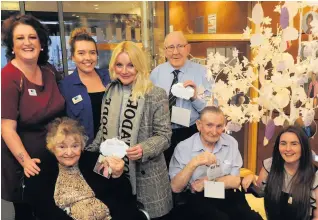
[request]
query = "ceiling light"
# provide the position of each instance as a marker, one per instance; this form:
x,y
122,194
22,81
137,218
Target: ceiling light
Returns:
x,y
73,15
96,8
77,16
95,5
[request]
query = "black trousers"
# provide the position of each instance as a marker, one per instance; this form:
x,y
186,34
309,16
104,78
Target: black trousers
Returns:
x,y
178,135
23,211
233,207
165,217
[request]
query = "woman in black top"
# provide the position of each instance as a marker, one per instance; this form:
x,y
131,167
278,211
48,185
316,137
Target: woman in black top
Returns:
x,y
289,178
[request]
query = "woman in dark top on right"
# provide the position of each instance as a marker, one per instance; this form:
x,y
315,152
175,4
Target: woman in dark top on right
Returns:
x,y
289,178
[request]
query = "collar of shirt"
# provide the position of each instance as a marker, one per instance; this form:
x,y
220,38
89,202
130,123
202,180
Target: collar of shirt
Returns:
x,y
183,69
76,79
198,145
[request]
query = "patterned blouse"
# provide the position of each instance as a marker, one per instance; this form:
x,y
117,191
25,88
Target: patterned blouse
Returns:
x,y
74,195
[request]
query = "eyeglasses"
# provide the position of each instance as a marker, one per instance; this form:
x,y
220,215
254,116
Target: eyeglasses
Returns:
x,y
179,47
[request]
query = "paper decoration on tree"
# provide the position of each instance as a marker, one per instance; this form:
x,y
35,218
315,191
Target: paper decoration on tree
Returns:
x,y
281,79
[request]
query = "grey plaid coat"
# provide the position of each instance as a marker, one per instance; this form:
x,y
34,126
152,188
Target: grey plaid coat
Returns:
x,y
152,181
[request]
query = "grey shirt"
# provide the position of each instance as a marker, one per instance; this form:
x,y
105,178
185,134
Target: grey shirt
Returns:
x,y
226,151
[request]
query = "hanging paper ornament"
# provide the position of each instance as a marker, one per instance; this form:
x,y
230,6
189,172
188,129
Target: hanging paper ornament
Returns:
x,y
290,33
257,14
281,99
269,131
231,126
308,117
292,8
265,119
283,45
257,40
279,120
284,18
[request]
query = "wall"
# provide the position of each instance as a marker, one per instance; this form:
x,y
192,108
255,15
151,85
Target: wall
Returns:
x,y
183,19
231,16
178,15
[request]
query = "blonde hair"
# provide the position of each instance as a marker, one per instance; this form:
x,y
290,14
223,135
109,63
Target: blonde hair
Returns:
x,y
62,127
142,83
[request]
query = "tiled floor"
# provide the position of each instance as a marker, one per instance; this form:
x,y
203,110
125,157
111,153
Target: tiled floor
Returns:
x,y
7,210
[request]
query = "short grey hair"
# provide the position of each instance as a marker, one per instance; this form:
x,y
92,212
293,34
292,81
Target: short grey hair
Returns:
x,y
211,109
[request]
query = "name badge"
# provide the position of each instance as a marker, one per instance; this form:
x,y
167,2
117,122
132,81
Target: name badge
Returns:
x,y
180,116
77,99
214,189
32,92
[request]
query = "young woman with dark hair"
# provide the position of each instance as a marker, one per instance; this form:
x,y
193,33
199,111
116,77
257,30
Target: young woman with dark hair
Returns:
x,y
84,89
289,178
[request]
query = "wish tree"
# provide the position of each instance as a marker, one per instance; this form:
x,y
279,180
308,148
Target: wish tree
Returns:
x,y
276,77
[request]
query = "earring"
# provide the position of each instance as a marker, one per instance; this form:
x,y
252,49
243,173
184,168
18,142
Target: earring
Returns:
x,y
41,49
12,52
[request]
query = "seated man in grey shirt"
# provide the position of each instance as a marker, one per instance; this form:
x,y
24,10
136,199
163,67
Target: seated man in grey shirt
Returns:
x,y
188,170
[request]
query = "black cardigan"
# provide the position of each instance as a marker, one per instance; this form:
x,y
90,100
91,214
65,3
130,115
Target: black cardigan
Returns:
x,y
115,193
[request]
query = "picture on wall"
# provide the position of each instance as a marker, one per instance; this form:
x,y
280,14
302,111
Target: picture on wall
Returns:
x,y
306,21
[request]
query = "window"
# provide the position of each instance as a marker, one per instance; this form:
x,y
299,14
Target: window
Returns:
x,y
7,9
109,23
46,12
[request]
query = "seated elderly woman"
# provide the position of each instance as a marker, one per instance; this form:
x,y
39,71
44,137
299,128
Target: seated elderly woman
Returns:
x,y
66,189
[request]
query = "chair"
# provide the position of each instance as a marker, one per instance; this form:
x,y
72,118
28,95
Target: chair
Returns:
x,y
144,214
254,196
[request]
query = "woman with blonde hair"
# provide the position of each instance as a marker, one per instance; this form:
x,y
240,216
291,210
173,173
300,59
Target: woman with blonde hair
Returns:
x,y
138,113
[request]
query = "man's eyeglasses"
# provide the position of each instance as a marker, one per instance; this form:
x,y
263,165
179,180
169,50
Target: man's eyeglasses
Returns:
x,y
179,47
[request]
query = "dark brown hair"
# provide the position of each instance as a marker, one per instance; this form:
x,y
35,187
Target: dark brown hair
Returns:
x,y
42,32
80,34
301,182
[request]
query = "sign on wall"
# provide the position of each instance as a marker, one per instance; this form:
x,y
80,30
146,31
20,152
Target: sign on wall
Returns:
x,y
212,24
